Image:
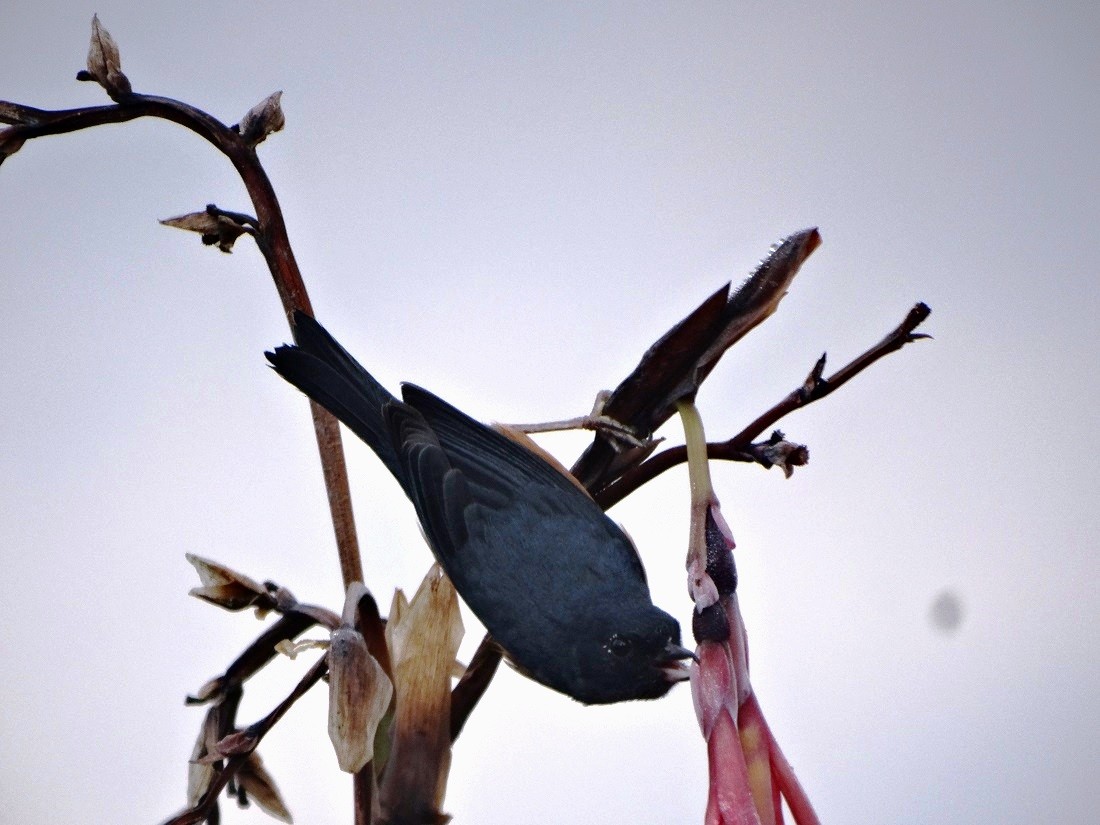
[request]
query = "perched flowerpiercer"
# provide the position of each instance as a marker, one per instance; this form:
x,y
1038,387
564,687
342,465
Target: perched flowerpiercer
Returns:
x,y
558,584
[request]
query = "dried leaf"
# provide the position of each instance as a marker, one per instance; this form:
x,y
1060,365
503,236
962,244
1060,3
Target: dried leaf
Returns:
x,y
201,774
226,587
397,629
424,637
104,62
237,743
202,222
260,787
786,455
675,366
263,119
359,696
215,228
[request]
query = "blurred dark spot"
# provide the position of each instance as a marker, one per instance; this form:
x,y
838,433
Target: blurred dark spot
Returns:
x,y
946,612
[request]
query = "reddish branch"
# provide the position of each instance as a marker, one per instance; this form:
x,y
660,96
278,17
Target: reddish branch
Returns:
x,y
271,238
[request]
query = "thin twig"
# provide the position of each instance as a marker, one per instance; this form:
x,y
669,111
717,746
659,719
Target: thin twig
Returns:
x,y
473,684
740,447
237,747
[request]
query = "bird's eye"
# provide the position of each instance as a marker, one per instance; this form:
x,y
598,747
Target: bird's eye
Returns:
x,y
619,645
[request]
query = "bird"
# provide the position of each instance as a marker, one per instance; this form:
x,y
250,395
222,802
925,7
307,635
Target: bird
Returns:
x,y
557,584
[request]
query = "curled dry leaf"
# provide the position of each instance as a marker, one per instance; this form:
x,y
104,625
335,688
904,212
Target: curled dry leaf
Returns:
x,y
359,697
263,119
104,62
203,222
200,772
226,587
237,743
360,692
254,779
423,636
215,228
675,366
785,455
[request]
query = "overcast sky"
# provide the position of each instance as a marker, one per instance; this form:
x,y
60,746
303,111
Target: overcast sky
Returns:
x,y
507,203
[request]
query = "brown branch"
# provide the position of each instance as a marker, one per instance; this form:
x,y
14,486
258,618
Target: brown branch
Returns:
x,y
246,740
271,238
473,684
741,447
237,747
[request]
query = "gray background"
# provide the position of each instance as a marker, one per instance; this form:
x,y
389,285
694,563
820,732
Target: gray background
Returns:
x,y
507,203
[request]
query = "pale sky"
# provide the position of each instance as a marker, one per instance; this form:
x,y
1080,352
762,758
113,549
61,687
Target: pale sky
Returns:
x,y
507,203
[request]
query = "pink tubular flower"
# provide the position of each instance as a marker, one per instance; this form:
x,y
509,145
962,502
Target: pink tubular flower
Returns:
x,y
749,776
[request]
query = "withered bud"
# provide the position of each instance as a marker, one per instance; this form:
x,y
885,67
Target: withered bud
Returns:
x,y
784,454
263,119
720,565
214,227
237,743
104,63
710,624
359,696
254,780
200,772
227,588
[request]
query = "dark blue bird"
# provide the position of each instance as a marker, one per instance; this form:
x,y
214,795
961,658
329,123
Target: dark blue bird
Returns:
x,y
557,584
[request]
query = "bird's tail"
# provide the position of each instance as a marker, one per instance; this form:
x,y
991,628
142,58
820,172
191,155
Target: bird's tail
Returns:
x,y
324,371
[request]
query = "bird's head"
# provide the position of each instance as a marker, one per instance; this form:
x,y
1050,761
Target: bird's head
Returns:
x,y
634,655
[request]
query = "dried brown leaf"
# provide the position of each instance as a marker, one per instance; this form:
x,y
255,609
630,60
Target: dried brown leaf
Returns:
x,y
397,629
237,743
260,787
425,634
359,696
215,227
200,773
201,222
674,367
263,119
104,62
226,587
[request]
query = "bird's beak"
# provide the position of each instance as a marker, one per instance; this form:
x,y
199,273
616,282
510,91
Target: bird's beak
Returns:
x,y
672,662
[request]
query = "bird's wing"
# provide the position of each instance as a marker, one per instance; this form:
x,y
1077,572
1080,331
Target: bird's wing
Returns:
x,y
513,503
483,454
